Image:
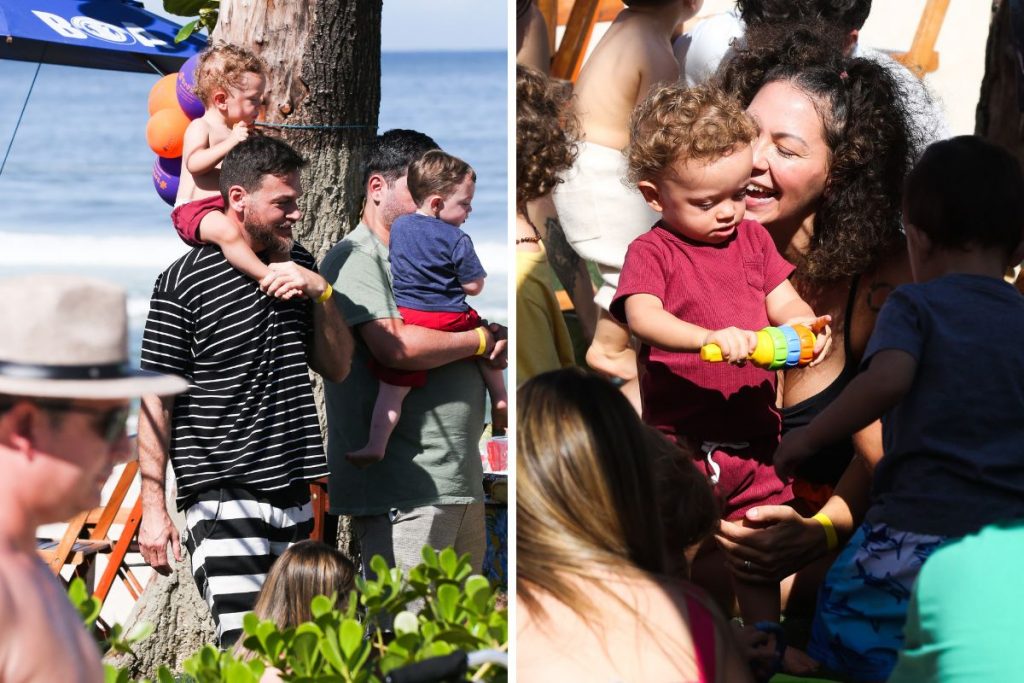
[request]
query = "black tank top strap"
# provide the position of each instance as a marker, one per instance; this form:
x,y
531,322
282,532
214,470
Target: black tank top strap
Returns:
x,y
851,302
830,462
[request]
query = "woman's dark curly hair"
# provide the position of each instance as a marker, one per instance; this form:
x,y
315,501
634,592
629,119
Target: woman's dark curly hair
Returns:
x,y
868,131
546,135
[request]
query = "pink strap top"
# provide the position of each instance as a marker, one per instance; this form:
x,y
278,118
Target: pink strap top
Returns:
x,y
702,629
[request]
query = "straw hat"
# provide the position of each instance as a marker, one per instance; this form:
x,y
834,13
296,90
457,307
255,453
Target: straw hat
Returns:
x,y
66,336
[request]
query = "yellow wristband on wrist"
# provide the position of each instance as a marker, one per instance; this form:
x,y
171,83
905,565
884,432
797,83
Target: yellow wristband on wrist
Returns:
x,y
483,342
326,295
830,530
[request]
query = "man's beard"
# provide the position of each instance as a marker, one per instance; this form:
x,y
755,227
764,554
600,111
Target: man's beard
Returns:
x,y
392,210
264,236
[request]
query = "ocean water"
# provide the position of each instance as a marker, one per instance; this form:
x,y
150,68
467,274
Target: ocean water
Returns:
x,y
76,193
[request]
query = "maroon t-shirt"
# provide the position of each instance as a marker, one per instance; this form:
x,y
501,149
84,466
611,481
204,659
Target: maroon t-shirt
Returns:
x,y
714,286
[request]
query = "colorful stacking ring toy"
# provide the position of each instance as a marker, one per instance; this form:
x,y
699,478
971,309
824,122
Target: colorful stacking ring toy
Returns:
x,y
777,347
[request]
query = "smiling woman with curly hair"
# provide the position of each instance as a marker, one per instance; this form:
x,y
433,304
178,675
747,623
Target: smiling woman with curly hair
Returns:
x,y
835,146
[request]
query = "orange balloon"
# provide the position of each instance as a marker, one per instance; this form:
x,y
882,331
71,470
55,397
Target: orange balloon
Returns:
x,y
163,95
165,132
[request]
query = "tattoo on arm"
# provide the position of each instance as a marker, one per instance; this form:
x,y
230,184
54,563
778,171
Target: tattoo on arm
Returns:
x,y
564,261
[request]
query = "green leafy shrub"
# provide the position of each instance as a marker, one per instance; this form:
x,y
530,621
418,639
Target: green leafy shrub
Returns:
x,y
376,633
205,11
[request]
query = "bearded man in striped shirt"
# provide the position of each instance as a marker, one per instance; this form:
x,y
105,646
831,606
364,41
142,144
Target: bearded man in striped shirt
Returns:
x,y
244,442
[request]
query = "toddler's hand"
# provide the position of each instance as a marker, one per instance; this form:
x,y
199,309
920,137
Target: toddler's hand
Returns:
x,y
285,280
793,450
239,132
736,344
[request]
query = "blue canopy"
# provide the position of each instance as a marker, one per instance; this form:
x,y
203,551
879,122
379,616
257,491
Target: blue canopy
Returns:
x,y
103,34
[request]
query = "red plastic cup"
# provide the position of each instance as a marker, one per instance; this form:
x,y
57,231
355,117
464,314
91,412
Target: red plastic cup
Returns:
x,y
497,453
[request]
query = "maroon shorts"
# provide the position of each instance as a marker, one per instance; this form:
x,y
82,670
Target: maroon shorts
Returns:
x,y
187,217
746,477
435,320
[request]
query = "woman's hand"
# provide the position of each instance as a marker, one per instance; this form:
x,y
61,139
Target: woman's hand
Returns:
x,y
776,543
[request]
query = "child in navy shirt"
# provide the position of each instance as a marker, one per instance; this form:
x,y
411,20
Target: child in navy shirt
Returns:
x,y
944,369
433,268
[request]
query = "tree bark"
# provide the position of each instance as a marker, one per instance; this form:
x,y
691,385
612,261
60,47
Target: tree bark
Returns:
x,y
998,117
181,624
323,58
323,95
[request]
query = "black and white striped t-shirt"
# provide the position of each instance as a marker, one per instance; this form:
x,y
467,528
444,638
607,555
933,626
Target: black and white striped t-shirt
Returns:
x,y
248,419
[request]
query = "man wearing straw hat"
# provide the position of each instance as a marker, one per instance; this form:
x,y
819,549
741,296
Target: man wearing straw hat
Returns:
x,y
65,387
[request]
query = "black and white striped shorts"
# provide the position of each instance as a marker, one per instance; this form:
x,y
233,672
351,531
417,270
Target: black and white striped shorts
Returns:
x,y
233,536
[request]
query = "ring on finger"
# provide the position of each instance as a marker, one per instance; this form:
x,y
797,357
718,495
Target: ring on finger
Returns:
x,y
746,565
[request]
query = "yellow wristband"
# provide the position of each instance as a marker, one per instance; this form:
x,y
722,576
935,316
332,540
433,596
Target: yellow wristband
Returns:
x,y
326,295
483,342
830,530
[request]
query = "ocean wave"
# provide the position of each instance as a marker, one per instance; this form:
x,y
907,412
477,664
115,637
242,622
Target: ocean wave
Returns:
x,y
494,309
25,251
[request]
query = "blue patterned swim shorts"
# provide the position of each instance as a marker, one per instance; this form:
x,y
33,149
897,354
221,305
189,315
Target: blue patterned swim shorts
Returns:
x,y
862,605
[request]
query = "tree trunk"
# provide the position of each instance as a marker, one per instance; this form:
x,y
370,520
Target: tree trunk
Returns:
x,y
999,116
181,620
323,97
323,58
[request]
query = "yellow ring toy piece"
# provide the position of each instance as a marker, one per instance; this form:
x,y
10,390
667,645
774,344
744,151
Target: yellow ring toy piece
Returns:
x,y
764,352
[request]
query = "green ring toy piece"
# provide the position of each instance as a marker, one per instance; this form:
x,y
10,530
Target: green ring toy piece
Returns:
x,y
781,345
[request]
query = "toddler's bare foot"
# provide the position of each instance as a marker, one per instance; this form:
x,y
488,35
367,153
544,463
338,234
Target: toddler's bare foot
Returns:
x,y
798,662
363,458
499,417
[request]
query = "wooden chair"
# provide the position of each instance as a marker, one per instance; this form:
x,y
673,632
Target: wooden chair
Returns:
x,y
922,58
323,525
88,535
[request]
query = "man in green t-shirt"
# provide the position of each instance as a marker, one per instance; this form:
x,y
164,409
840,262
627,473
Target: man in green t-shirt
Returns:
x,y
428,488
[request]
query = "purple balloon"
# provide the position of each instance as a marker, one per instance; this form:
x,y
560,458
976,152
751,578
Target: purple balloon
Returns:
x,y
190,103
166,174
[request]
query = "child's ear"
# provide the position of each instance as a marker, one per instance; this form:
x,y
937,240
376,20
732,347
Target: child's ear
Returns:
x,y
436,204
220,99
650,192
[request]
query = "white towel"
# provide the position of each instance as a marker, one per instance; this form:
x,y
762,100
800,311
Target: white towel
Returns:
x,y
600,214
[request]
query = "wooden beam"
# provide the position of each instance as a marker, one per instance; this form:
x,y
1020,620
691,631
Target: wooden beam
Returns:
x,y
922,57
580,25
607,10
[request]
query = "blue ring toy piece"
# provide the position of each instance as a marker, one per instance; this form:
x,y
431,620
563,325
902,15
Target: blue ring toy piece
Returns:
x,y
793,346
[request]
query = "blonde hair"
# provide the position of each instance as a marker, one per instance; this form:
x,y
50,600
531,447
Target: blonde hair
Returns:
x,y
302,572
677,123
586,492
436,172
221,67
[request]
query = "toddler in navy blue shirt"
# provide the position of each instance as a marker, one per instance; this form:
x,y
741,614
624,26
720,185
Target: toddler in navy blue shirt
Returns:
x,y
433,268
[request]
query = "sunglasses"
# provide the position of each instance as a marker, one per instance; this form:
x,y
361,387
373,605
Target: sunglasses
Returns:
x,y
112,420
